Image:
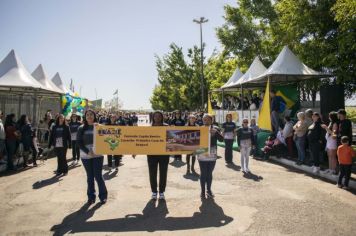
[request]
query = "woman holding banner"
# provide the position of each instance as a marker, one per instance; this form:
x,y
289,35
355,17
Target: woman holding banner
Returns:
x,y
207,161
229,132
158,160
92,162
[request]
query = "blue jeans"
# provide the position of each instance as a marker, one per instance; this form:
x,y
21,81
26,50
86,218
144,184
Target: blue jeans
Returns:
x,y
300,143
206,174
11,150
94,168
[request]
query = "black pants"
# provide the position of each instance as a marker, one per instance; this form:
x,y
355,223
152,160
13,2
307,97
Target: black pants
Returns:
x,y
188,162
75,150
117,159
228,150
345,170
61,153
178,157
206,175
315,152
153,162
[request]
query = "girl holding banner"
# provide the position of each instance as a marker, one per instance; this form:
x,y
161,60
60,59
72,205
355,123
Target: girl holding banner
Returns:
x,y
93,163
207,161
158,160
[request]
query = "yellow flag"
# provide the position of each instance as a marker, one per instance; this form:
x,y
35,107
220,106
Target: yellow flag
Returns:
x,y
264,118
210,109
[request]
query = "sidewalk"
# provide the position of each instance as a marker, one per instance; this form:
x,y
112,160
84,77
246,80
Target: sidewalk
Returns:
x,y
308,170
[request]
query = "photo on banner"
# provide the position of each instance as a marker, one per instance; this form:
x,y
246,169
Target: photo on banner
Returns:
x,y
150,140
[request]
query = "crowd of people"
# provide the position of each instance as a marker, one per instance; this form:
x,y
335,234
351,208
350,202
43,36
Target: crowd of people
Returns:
x,y
307,136
248,102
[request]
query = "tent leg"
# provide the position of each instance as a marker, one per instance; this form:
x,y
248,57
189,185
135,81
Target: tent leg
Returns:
x,y
19,108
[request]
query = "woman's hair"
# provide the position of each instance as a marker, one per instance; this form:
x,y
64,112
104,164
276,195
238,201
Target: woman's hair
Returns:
x,y
57,120
333,119
301,115
9,120
287,118
85,122
153,116
22,120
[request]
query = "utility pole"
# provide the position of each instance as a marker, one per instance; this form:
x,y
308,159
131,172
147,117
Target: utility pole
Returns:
x,y
201,21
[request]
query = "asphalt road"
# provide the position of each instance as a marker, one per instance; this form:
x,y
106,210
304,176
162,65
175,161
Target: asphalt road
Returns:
x,y
273,200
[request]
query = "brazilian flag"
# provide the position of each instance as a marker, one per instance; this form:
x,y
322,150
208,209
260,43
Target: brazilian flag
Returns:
x,y
290,95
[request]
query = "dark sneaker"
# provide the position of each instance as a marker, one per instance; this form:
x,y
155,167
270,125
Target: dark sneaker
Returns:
x,y
209,194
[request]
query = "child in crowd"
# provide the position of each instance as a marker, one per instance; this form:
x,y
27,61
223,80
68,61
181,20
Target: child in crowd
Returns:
x,y
345,154
267,149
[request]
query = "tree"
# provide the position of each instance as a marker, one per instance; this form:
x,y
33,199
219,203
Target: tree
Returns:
x,y
263,27
178,80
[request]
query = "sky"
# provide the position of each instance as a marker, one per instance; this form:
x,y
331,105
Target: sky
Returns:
x,y
104,45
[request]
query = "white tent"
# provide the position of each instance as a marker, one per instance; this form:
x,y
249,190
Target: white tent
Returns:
x,y
287,68
40,75
59,83
255,69
233,79
13,74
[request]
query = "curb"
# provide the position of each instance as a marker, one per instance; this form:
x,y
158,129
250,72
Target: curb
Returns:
x,y
308,169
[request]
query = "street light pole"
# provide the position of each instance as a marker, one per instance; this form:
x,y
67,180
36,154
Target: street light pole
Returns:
x,y
200,22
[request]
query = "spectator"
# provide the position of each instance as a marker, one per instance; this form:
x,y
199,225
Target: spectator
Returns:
x,y
315,140
25,129
300,130
345,126
331,141
73,126
345,154
12,136
190,167
2,139
288,135
277,107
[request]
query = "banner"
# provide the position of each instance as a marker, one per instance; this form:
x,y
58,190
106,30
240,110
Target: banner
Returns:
x,y
151,140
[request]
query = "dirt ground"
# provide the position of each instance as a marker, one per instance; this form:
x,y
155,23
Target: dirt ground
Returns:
x,y
273,200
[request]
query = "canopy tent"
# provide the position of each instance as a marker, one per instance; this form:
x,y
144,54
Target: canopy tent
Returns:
x,y
40,75
19,91
286,68
59,83
14,74
233,79
255,69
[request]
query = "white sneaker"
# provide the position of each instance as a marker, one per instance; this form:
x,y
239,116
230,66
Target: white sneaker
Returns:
x,y
161,196
316,170
154,196
327,171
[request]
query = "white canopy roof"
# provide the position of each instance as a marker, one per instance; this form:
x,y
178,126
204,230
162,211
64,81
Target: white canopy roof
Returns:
x,y
40,75
287,68
233,79
14,74
255,69
59,83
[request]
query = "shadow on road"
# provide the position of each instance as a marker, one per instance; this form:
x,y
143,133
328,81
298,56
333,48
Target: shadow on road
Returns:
x,y
233,166
109,175
153,218
252,176
46,182
192,176
177,163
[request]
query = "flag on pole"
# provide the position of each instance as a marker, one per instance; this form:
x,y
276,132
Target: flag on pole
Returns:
x,y
264,118
116,92
210,108
71,86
